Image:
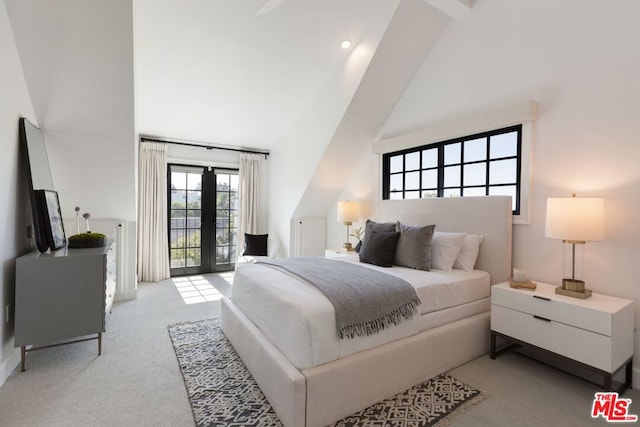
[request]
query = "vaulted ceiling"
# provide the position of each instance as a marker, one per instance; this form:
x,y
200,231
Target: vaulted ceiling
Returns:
x,y
240,72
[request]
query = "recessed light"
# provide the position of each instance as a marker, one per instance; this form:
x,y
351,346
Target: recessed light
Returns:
x,y
346,44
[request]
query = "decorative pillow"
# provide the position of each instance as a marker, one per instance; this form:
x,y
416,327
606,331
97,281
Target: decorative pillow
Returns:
x,y
414,246
358,246
255,244
445,248
469,254
371,226
380,249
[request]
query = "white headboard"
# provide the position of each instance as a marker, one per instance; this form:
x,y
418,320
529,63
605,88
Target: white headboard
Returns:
x,y
489,216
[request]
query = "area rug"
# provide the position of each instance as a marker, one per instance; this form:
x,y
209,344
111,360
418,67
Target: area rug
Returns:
x,y
223,393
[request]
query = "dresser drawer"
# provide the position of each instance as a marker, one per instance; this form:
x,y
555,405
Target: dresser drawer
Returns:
x,y
578,344
556,307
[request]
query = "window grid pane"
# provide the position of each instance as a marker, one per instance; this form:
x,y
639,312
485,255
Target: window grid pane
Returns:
x,y
476,165
412,161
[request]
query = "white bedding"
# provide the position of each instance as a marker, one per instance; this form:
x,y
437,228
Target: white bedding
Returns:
x,y
300,321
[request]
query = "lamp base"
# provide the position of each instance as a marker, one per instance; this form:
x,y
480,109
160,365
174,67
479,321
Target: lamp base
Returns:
x,y
348,247
573,288
573,285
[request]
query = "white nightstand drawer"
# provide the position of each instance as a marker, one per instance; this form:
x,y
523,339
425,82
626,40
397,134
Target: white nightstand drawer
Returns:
x,y
593,314
587,347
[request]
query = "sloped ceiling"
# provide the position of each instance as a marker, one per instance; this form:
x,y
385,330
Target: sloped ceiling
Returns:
x,y
219,72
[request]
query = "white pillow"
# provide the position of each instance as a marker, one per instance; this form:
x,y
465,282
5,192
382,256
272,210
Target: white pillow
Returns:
x,y
445,248
469,254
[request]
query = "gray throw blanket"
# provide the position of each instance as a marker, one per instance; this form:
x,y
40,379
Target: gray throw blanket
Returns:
x,y
365,301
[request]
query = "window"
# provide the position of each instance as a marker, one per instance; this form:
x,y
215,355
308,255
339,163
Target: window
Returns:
x,y
476,165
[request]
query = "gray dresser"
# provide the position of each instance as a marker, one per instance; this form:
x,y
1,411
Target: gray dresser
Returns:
x,y
63,297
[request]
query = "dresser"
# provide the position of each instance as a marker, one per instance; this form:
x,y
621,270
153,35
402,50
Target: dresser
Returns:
x,y
63,297
592,336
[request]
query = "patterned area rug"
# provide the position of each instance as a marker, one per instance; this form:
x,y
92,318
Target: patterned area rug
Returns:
x,y
223,393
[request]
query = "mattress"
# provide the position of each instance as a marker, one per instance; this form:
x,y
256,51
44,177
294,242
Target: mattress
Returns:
x,y
300,321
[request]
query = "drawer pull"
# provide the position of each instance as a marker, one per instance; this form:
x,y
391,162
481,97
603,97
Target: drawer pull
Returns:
x,y
543,298
541,318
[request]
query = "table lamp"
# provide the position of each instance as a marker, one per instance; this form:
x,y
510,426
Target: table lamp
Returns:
x,y
575,220
348,212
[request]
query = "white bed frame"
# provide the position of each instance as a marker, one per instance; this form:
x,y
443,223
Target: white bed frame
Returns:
x,y
324,394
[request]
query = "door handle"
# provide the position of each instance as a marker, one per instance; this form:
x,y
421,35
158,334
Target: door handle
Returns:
x,y
541,318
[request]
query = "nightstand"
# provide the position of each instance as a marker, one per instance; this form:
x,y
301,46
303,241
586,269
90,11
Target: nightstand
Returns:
x,y
338,253
590,337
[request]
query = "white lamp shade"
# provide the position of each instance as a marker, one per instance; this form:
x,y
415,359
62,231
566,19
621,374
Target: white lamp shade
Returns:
x,y
575,218
348,211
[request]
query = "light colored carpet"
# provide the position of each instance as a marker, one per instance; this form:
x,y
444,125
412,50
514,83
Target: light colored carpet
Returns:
x,y
223,392
137,380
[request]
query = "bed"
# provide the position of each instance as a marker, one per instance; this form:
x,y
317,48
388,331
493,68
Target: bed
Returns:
x,y
320,382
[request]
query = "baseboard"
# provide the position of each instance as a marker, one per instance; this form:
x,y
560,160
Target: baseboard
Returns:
x,y
9,365
125,296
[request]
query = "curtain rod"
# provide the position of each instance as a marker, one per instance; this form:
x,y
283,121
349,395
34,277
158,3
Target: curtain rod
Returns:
x,y
208,147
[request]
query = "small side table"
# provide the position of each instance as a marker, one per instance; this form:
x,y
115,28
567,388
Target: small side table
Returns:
x,y
590,337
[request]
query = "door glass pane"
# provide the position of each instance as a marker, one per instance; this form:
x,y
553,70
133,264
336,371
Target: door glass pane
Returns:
x,y
222,182
194,199
452,192
226,213
233,182
234,200
193,251
177,258
222,200
177,239
179,180
193,257
222,255
222,236
429,194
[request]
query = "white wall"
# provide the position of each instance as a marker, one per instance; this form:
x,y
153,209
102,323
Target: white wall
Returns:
x,y
295,157
15,212
77,58
580,61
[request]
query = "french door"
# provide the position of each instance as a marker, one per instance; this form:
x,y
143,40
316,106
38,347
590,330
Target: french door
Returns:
x,y
203,212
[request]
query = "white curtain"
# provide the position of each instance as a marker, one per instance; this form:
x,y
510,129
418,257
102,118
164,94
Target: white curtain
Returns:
x,y
249,183
153,252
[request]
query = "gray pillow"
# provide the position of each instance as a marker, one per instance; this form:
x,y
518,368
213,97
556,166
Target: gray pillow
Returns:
x,y
414,246
380,249
372,226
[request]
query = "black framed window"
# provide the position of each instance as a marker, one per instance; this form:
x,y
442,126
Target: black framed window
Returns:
x,y
482,164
